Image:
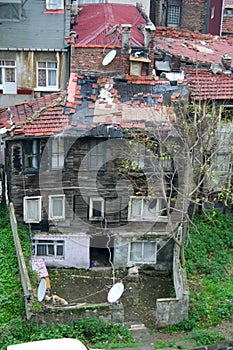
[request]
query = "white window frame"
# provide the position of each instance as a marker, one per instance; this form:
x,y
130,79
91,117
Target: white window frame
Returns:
x,y
143,259
144,201
48,243
8,87
91,208
57,153
27,219
47,69
54,4
51,199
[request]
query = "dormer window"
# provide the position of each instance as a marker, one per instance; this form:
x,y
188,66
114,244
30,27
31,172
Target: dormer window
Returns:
x,y
54,4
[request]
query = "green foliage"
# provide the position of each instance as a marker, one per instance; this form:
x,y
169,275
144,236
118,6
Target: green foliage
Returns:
x,y
209,261
205,337
92,331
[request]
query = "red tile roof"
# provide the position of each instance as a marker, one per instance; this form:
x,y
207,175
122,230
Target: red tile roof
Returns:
x,y
40,117
204,85
227,24
192,46
96,20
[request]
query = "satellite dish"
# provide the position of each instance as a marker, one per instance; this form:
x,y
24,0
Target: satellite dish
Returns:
x,y
41,290
115,292
109,57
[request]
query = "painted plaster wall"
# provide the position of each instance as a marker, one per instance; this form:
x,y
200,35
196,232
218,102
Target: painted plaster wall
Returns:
x,y
76,251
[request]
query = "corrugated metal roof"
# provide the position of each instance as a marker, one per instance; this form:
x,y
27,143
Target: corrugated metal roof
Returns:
x,y
36,29
95,21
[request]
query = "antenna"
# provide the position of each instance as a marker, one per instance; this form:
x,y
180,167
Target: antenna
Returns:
x,y
41,290
109,57
115,292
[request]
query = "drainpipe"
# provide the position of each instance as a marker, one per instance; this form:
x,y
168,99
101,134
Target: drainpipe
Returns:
x,y
223,7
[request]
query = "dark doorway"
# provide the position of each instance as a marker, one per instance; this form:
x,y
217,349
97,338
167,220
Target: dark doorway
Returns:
x,y
101,251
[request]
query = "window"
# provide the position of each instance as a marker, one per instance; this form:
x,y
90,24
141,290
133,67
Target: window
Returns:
x,y
31,155
228,11
143,252
173,16
8,77
96,208
222,163
143,208
54,4
32,209
57,207
96,155
53,248
47,77
57,153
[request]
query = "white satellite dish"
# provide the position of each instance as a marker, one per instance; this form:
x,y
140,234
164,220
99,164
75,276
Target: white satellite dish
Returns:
x,y
115,292
41,290
109,57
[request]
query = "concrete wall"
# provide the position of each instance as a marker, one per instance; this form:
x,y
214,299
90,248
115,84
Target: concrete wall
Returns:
x,y
173,310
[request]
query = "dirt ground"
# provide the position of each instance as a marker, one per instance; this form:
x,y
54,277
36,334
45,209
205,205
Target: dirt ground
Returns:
x,y
92,286
139,299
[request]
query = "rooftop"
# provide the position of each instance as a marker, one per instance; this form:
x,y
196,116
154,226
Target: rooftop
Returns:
x,y
100,24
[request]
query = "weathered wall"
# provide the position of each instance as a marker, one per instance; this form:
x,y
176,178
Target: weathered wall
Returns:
x,y
194,15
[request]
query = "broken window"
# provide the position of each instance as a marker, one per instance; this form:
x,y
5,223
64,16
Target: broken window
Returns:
x,y
47,76
8,77
141,208
96,208
53,248
31,155
96,155
57,207
32,209
57,153
143,251
173,16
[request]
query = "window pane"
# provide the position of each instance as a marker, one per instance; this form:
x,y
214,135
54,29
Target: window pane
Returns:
x,y
41,249
97,208
60,250
149,209
42,64
32,209
149,251
136,251
52,78
41,77
136,205
57,207
173,15
50,249
10,75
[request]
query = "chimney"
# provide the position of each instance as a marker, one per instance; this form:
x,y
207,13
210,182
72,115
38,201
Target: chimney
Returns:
x,y
226,61
149,29
126,30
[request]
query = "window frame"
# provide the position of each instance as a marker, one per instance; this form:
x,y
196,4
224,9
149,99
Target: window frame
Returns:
x,y
143,199
91,209
47,69
51,198
35,154
173,17
143,260
3,67
59,165
55,243
26,211
50,6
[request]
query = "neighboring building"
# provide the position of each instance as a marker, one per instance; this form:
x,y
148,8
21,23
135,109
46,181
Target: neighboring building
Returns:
x,y
227,23
203,16
34,56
